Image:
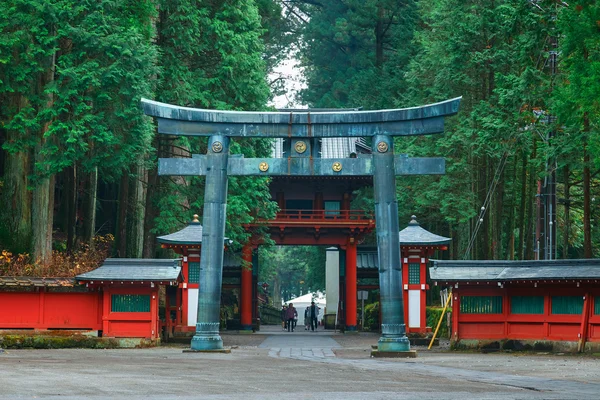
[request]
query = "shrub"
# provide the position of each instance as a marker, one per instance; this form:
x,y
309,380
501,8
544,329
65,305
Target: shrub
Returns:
x,y
63,265
433,318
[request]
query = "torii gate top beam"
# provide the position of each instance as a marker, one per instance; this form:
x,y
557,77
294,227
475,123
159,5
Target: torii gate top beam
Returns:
x,y
423,120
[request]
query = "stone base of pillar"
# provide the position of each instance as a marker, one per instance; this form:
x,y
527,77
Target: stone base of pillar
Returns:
x,y
351,328
393,338
393,344
246,329
225,351
206,342
207,337
394,354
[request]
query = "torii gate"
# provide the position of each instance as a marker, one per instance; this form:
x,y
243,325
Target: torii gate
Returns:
x,y
301,128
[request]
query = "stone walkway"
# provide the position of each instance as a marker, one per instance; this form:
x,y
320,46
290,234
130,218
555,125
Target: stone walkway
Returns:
x,y
300,345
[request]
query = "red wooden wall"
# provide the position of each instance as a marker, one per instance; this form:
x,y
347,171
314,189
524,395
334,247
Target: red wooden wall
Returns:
x,y
50,310
546,326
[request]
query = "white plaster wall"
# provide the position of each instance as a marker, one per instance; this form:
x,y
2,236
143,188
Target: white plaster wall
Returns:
x,y
414,308
332,279
192,306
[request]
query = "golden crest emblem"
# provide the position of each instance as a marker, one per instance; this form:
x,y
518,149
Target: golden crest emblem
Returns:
x,y
337,166
382,147
300,147
263,166
217,147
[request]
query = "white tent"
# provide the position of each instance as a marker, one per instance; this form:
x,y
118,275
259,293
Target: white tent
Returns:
x,y
303,302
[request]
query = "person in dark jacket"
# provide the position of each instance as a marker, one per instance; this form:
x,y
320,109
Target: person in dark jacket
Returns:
x,y
306,318
314,315
290,314
284,317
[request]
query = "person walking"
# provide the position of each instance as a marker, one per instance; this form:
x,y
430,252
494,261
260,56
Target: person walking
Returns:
x,y
290,314
314,315
284,317
306,318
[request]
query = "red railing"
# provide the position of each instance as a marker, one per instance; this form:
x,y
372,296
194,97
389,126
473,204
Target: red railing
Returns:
x,y
325,215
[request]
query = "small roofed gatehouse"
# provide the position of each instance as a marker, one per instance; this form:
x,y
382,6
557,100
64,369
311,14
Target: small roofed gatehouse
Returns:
x,y
549,305
120,299
130,294
417,245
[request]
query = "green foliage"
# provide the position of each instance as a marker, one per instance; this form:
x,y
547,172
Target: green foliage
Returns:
x,y
433,318
212,58
372,317
355,53
292,270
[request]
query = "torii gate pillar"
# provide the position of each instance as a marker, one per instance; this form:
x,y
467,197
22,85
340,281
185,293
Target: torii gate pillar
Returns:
x,y
393,328
211,257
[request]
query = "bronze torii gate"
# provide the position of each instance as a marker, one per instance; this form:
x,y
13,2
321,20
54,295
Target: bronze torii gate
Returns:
x,y
302,128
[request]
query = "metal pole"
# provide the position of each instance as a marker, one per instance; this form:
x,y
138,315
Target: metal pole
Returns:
x,y
362,312
393,330
213,236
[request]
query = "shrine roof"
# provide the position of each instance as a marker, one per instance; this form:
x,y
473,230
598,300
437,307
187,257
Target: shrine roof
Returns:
x,y
367,260
29,281
506,271
134,269
413,234
190,235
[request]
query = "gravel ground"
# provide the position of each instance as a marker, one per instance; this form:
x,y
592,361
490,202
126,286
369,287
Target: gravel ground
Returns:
x,y
252,371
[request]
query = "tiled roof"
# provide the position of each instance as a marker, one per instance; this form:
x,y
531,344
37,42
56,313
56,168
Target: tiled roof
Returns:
x,y
191,235
504,271
134,269
27,281
367,260
413,234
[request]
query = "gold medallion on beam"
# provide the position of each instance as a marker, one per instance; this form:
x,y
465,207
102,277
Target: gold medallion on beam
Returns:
x,y
382,147
263,166
300,147
217,147
337,166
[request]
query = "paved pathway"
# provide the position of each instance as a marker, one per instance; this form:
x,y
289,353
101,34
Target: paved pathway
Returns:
x,y
300,345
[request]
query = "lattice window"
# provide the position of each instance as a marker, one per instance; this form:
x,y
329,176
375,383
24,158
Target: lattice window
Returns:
x,y
194,272
567,304
130,303
527,304
481,304
597,305
414,273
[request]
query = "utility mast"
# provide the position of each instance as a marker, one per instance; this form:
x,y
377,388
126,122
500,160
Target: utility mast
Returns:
x,y
545,235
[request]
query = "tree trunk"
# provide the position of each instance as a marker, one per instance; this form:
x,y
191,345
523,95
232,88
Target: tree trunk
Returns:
x,y
135,222
152,192
89,207
71,215
42,212
522,208
498,211
529,248
587,214
121,231
511,215
16,213
484,253
41,217
567,203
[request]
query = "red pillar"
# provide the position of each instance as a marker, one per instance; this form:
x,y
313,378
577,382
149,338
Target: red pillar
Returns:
x,y
351,279
246,289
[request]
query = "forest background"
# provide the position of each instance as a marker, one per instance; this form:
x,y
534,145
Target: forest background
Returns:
x,y
78,160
